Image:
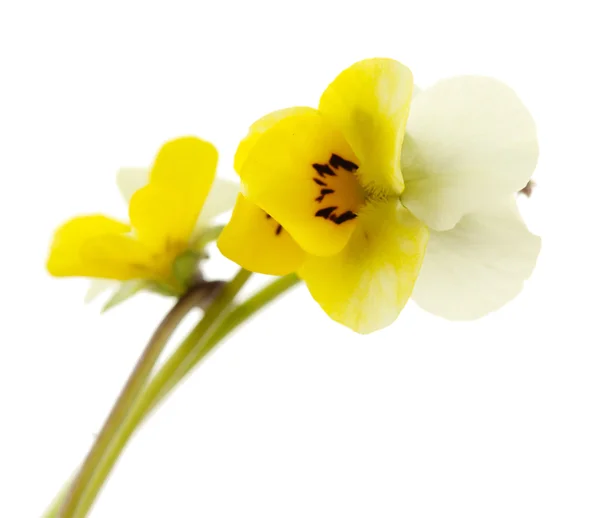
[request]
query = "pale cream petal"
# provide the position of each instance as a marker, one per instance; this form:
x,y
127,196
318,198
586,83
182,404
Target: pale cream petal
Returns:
x,y
125,291
220,199
478,266
470,142
98,286
130,179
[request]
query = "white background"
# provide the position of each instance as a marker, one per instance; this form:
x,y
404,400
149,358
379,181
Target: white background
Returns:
x,y
295,416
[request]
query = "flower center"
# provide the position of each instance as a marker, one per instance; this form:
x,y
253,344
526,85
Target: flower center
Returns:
x,y
339,191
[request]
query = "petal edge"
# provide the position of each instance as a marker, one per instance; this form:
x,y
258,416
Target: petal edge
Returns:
x,y
366,286
478,266
470,143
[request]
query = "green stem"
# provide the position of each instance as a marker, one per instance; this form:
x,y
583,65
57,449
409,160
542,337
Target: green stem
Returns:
x,y
189,353
251,306
212,317
129,394
53,508
170,375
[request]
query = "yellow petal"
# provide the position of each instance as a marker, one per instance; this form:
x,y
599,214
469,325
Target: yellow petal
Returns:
x,y
255,241
258,128
369,102
301,171
96,246
121,257
130,179
186,163
165,211
366,286
161,217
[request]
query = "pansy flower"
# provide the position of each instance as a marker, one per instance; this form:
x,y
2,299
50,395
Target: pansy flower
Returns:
x,y
381,193
170,209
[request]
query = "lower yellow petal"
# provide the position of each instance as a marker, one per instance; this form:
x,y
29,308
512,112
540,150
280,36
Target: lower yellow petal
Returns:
x,y
366,286
123,258
97,246
369,102
257,242
301,171
166,210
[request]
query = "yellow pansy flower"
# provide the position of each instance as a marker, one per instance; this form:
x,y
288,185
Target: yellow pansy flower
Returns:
x,y
348,195
170,205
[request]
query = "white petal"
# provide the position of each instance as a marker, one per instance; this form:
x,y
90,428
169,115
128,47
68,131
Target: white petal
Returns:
x,y
470,143
99,286
131,179
221,198
478,266
125,291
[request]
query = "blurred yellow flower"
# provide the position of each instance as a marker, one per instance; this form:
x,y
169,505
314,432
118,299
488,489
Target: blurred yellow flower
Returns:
x,y
348,195
169,207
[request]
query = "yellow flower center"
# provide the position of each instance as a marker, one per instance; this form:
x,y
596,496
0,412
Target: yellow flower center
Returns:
x,y
162,260
340,195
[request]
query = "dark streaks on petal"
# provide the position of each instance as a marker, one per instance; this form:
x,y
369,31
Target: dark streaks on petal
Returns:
x,y
323,170
337,161
325,213
324,192
346,216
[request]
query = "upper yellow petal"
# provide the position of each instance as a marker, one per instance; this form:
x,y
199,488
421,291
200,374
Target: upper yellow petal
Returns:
x,y
165,211
258,128
369,102
97,246
257,242
301,171
186,163
366,286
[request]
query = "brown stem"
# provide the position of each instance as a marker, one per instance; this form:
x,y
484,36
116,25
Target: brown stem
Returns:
x,y
133,388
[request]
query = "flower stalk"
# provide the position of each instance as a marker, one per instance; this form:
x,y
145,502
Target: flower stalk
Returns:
x,y
127,398
216,325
